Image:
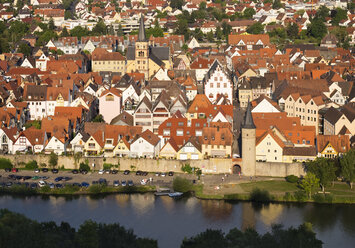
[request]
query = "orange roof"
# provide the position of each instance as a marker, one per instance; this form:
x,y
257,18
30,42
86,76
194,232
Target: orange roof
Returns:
x,y
249,39
341,143
114,91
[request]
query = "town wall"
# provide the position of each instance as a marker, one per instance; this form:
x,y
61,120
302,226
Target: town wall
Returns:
x,y
208,166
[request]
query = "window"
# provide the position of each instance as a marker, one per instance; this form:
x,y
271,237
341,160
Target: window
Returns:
x,y
180,124
109,141
166,132
168,124
109,97
179,132
211,85
275,151
4,139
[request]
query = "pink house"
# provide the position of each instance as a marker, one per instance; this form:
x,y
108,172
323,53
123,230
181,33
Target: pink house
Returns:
x,y
110,104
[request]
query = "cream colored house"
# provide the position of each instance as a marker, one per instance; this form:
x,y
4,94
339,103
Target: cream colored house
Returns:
x,y
102,60
94,145
269,147
169,150
190,150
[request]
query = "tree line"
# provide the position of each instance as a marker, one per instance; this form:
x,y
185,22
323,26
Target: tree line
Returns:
x,y
17,231
321,172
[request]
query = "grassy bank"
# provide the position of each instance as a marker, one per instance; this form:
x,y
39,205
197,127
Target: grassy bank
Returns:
x,y
282,191
75,190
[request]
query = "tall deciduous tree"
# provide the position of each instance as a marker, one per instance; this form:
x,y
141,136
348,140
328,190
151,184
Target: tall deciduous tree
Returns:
x,y
347,163
256,28
323,169
292,31
317,29
309,183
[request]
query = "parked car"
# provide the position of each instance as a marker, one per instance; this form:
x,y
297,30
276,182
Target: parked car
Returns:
x,y
126,172
66,178
157,174
37,170
144,173
54,171
84,172
44,170
108,171
116,183
51,185
14,170
59,185
7,169
130,183
138,173
102,181
26,178
171,173
114,171
33,185
75,171
101,172
8,184
85,184
41,184
58,179
163,174
124,183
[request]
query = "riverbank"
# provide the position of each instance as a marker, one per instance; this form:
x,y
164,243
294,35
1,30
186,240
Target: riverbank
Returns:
x,y
274,191
70,190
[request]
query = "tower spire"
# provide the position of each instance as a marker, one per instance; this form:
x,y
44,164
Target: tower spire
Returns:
x,y
141,33
248,121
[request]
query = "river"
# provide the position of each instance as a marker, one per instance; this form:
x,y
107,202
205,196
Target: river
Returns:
x,y
169,220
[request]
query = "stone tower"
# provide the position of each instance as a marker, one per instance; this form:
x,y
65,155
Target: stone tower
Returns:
x,y
248,144
142,51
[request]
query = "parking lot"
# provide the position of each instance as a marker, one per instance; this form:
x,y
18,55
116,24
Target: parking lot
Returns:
x,y
67,177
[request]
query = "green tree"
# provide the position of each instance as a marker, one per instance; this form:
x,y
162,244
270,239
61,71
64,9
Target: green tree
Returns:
x,y
226,29
347,163
292,31
98,118
219,33
51,25
100,28
65,32
53,159
342,35
68,15
323,169
5,163
210,36
309,183
79,32
322,13
248,13
120,30
202,6
176,4
45,37
338,15
24,48
84,166
207,239
256,28
87,235
277,4
317,29
31,165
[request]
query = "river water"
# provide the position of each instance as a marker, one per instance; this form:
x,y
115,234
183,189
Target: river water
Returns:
x,y
169,220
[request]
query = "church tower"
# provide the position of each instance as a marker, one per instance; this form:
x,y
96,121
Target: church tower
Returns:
x,y
248,144
142,51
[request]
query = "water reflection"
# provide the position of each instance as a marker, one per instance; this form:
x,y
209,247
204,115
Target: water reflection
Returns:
x,y
216,210
324,216
142,203
269,214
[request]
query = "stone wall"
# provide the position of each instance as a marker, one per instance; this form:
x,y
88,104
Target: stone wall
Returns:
x,y
150,165
210,166
279,169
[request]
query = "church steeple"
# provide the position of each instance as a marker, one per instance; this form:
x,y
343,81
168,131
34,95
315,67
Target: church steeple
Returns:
x,y
248,121
141,33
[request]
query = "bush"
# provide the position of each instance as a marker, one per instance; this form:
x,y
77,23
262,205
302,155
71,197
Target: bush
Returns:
x,y
42,165
5,163
288,197
53,159
186,168
182,185
97,188
31,165
107,166
323,198
292,179
259,195
300,196
84,166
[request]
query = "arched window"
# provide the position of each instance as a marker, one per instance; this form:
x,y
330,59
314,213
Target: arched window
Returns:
x,y
141,54
4,139
109,97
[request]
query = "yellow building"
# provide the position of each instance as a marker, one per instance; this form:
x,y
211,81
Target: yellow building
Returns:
x,y
331,146
102,60
147,59
190,150
94,144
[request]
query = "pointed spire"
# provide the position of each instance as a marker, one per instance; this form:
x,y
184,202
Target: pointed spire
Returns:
x,y
248,121
141,33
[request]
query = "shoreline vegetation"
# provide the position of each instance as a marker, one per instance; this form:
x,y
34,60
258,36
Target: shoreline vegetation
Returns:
x,y
91,234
